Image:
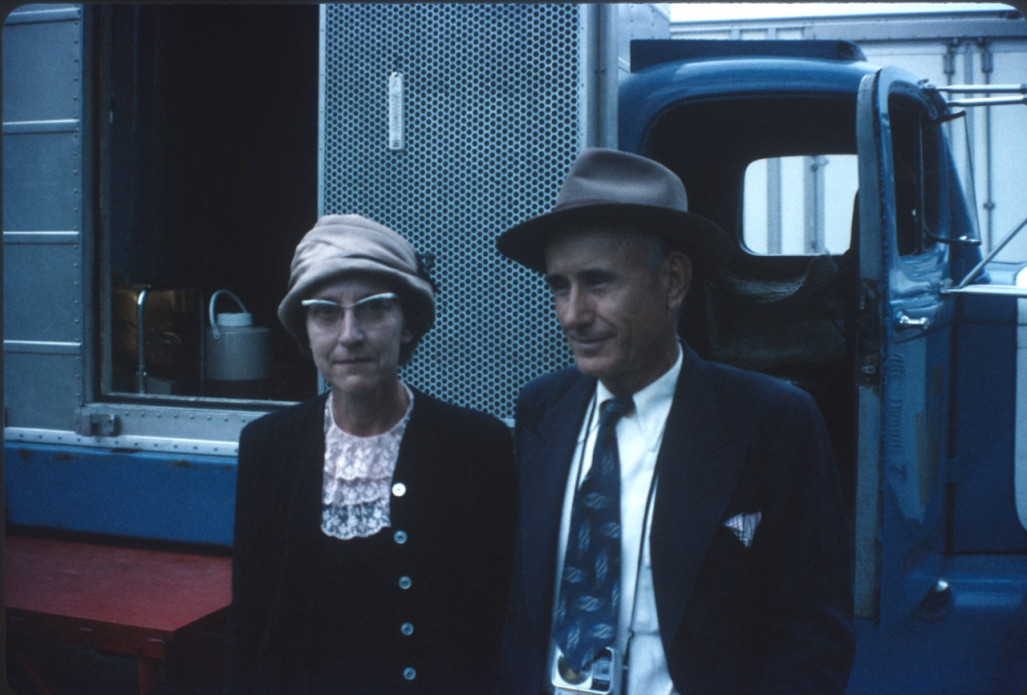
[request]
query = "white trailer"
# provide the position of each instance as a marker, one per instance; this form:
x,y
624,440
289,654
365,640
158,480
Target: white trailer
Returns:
x,y
959,44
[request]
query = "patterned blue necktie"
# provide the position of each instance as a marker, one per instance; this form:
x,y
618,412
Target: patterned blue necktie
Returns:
x,y
585,620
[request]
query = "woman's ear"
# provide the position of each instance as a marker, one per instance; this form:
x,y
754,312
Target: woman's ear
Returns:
x,y
407,335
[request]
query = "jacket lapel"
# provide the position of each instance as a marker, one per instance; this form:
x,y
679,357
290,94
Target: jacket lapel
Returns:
x,y
306,475
547,443
299,473
698,468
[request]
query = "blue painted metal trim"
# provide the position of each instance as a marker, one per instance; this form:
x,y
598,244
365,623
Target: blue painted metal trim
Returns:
x,y
647,93
649,52
984,512
973,643
134,494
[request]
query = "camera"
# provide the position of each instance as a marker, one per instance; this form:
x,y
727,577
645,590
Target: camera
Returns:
x,y
601,677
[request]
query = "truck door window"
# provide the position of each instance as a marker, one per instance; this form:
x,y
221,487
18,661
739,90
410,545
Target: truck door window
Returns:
x,y
917,173
799,205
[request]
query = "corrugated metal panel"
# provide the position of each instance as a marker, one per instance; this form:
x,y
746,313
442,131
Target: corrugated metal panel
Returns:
x,y
42,383
53,310
43,216
1004,61
42,178
42,63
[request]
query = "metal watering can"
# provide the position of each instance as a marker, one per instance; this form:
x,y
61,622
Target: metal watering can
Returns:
x,y
238,354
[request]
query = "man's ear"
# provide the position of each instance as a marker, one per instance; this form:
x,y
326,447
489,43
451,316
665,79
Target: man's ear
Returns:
x,y
678,273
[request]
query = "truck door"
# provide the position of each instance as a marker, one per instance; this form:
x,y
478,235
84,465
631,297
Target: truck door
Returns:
x,y
904,350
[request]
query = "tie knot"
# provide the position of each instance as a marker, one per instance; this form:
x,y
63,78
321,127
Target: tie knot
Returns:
x,y
611,410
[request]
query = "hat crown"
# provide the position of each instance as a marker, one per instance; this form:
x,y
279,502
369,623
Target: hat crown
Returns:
x,y
336,237
601,176
339,245
626,192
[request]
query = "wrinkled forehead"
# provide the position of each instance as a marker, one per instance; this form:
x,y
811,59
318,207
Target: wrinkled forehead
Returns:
x,y
601,242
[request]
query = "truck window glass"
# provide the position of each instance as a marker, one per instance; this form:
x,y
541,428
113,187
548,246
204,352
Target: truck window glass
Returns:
x,y
799,205
917,164
962,193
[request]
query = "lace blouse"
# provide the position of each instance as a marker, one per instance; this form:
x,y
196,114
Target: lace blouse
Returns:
x,y
357,477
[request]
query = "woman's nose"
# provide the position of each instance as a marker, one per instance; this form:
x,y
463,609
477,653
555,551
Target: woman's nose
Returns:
x,y
349,328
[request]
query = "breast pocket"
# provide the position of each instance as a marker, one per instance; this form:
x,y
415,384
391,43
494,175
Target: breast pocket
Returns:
x,y
724,613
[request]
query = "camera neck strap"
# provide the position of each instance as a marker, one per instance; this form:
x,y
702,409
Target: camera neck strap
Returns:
x,y
646,524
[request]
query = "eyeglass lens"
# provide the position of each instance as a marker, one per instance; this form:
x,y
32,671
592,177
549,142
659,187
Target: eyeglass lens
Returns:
x,y
367,311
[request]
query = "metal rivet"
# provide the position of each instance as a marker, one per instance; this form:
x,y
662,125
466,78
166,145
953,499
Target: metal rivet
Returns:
x,y
407,629
405,582
399,489
409,673
400,537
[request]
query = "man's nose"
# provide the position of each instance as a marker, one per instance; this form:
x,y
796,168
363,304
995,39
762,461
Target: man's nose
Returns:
x,y
575,309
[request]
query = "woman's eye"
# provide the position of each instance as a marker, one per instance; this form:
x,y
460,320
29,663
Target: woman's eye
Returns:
x,y
325,312
375,306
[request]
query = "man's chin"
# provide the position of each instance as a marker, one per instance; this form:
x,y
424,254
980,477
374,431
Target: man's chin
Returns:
x,y
594,366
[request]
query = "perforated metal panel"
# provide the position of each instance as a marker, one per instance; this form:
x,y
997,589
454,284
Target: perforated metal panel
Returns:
x,y
491,126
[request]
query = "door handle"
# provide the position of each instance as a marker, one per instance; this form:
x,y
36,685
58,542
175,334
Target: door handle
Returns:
x,y
904,321
936,604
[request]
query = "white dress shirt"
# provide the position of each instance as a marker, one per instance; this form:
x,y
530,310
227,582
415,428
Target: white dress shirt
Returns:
x,y
639,435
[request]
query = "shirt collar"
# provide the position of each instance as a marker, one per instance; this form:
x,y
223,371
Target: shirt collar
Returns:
x,y
652,403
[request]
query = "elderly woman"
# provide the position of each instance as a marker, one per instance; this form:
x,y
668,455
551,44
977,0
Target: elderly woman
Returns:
x,y
374,524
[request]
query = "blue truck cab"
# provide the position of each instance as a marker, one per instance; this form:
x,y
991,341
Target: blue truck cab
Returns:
x,y
873,297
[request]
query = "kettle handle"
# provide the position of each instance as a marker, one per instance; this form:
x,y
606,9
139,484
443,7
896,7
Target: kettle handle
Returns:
x,y
213,298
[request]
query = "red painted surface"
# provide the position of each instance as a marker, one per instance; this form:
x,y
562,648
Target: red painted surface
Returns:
x,y
125,600
159,590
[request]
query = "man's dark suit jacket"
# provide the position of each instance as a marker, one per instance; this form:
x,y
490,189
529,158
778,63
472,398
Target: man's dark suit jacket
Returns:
x,y
772,617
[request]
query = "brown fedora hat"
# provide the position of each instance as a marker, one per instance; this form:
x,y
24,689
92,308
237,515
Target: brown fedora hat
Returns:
x,y
608,186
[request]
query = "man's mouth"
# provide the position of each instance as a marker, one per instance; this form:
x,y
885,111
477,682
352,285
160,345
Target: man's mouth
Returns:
x,y
587,342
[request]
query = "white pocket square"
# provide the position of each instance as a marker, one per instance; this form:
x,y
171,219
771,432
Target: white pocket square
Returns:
x,y
744,526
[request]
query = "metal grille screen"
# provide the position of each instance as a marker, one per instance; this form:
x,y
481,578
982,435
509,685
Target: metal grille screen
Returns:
x,y
491,126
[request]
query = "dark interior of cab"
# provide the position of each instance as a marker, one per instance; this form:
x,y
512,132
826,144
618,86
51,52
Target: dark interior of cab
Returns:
x,y
791,316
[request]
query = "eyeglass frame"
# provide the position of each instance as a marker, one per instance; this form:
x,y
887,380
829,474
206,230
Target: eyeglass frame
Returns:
x,y
307,303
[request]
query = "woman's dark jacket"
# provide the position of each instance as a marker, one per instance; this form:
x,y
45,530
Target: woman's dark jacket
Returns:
x,y
418,607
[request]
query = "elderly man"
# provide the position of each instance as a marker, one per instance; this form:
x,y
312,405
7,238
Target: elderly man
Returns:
x,y
681,528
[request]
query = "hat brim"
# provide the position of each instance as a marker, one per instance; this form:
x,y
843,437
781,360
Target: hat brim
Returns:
x,y
702,240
